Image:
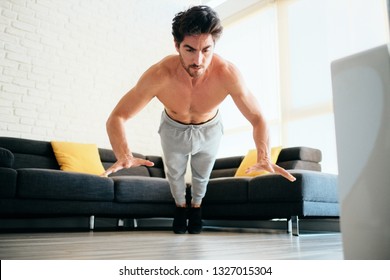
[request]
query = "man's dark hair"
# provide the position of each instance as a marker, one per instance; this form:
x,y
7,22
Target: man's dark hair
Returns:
x,y
194,21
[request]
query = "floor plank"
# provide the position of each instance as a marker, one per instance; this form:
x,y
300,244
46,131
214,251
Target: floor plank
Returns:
x,y
212,244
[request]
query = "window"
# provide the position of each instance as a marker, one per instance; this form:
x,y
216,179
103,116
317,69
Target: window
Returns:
x,y
284,50
251,44
313,33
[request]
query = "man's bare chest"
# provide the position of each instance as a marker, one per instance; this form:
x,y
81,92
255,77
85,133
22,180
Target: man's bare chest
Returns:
x,y
199,99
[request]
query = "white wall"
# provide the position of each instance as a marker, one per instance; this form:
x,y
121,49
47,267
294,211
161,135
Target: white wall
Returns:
x,y
64,64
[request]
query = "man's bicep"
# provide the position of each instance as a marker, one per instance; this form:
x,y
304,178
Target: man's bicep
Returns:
x,y
131,103
138,97
247,103
242,96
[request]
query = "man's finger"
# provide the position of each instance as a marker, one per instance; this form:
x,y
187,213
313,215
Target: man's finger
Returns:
x,y
148,163
284,173
105,173
114,168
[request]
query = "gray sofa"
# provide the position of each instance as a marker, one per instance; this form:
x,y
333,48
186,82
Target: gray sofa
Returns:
x,y
33,186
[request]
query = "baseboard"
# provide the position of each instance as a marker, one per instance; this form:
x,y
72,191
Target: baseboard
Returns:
x,y
305,225
82,224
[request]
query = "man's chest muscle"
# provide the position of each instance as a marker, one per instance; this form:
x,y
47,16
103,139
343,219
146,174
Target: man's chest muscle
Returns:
x,y
191,101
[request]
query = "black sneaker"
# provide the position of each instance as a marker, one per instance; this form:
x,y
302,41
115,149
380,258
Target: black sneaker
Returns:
x,y
180,220
195,224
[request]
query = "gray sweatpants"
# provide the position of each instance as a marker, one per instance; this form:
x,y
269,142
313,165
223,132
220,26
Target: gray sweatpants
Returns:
x,y
181,142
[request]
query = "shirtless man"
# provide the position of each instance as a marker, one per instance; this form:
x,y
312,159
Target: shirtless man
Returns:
x,y
191,86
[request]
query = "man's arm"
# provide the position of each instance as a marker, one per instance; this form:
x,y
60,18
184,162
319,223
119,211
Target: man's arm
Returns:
x,y
129,105
249,107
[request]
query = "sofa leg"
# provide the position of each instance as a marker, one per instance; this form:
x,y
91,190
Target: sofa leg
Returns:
x,y
293,225
135,224
121,223
92,222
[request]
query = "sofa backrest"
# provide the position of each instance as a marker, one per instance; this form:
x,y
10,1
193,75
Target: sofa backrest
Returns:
x,y
226,167
108,158
304,158
30,153
39,154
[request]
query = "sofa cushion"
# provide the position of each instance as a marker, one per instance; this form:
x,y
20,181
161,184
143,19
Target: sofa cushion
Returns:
x,y
309,186
78,157
7,182
251,159
142,189
227,190
60,185
6,158
132,171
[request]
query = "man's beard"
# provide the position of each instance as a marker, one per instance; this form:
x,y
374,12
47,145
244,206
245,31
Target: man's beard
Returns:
x,y
193,70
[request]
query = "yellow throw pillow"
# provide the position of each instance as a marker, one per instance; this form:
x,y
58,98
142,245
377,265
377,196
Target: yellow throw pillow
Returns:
x,y
251,159
78,157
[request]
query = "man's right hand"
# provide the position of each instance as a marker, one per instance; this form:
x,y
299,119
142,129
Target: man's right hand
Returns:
x,y
126,162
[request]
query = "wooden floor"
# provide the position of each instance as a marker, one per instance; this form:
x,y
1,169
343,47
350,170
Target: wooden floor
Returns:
x,y
160,244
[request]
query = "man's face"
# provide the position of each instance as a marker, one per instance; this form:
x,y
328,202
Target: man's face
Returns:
x,y
196,53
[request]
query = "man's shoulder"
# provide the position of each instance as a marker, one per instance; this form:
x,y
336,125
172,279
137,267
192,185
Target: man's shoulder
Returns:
x,y
168,62
224,68
229,76
162,68
166,65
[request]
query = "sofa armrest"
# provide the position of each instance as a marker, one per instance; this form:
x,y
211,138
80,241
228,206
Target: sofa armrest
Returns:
x,y
6,158
300,153
304,158
300,164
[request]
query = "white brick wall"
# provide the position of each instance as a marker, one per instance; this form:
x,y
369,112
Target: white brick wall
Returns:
x,y
64,64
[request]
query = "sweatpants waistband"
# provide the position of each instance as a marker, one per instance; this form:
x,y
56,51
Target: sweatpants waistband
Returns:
x,y
166,118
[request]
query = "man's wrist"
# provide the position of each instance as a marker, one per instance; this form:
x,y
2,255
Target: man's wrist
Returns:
x,y
263,153
129,156
125,156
